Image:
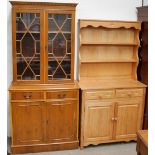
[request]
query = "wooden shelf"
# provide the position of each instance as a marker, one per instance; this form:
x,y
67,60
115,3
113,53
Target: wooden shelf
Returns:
x,y
106,61
107,52
107,44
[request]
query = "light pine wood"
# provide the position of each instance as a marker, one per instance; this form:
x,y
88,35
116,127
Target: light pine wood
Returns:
x,y
107,53
110,24
129,93
105,45
100,35
106,70
98,123
101,106
108,83
112,98
126,118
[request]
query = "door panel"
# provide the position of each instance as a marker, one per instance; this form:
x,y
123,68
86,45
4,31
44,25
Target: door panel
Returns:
x,y
28,122
127,116
27,43
98,124
62,121
59,43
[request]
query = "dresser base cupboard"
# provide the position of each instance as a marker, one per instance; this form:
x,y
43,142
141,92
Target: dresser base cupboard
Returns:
x,y
44,118
111,115
112,102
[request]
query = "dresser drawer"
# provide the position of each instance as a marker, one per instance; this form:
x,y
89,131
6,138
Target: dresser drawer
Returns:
x,y
98,95
26,95
61,94
129,93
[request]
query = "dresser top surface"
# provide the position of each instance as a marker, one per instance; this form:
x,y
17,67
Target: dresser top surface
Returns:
x,y
20,87
98,83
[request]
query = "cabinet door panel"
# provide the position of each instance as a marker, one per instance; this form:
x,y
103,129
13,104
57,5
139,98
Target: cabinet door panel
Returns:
x,y
28,122
59,42
27,43
98,124
62,121
127,115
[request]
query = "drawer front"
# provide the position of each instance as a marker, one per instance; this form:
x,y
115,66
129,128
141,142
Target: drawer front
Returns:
x,y
26,95
62,94
129,93
98,95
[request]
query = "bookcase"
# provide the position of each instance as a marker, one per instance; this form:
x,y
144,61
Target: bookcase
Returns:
x,y
44,96
112,98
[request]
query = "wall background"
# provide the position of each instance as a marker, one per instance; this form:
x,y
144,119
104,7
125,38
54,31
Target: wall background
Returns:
x,y
86,9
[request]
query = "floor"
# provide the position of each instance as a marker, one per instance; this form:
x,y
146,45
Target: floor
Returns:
x,y
104,149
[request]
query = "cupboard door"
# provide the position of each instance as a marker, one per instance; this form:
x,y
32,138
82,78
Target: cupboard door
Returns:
x,y
62,121
60,46
127,118
28,119
27,36
98,121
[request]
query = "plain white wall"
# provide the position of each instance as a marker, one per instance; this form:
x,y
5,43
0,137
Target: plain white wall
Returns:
x,y
86,9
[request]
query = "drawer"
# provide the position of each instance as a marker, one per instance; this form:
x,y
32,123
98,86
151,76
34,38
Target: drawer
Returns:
x,y
62,94
129,93
100,94
26,95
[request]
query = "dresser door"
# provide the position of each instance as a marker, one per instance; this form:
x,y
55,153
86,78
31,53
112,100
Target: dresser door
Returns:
x,y
61,121
28,119
128,118
98,121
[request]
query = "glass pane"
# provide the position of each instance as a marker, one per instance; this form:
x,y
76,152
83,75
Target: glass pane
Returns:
x,y
67,25
60,19
20,25
60,74
35,26
28,18
59,46
28,46
52,26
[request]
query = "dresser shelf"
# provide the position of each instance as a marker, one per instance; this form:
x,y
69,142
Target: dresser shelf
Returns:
x,y
107,44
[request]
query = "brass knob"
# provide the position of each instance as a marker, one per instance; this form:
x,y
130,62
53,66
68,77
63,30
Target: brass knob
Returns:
x,y
27,96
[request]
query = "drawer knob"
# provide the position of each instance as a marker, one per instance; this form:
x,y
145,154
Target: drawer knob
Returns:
x,y
113,119
28,95
61,95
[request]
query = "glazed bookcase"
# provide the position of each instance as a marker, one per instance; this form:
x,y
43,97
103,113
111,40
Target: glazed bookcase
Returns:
x,y
112,98
43,95
43,45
